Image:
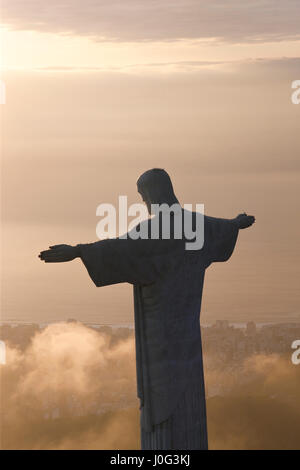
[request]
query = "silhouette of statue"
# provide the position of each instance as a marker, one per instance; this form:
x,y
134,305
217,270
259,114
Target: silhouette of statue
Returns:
x,y
168,282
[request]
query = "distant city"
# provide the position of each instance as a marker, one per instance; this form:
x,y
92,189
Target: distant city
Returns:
x,y
224,339
227,339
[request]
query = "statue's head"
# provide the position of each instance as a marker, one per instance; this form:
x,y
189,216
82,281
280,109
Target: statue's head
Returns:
x,y
155,187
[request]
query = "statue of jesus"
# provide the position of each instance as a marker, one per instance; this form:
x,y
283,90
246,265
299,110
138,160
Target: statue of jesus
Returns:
x,y
167,283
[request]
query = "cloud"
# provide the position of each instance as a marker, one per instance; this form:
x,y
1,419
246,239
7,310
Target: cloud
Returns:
x,y
75,388
260,409
74,361
154,20
65,388
281,66
179,65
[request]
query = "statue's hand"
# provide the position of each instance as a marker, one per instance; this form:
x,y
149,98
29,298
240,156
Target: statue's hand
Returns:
x,y
244,220
59,254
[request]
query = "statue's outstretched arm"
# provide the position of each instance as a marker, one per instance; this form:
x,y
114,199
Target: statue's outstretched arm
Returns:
x,y
60,254
220,236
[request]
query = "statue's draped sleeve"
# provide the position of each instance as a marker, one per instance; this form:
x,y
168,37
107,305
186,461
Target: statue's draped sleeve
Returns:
x,y
143,261
116,260
220,236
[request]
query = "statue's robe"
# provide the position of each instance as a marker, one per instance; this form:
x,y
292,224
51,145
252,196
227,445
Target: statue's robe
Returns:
x,y
168,282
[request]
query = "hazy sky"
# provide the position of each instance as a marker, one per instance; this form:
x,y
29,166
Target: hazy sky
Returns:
x,y
98,92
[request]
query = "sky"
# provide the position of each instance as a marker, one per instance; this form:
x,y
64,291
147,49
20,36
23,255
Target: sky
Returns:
x,y
97,92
